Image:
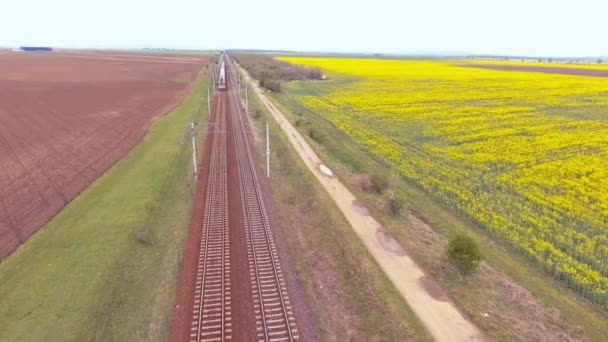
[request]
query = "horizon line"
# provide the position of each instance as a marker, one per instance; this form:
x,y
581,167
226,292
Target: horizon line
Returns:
x,y
420,53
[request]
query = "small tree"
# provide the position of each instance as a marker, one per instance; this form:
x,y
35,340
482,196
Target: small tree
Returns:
x,y
463,252
380,183
599,61
395,203
273,85
314,74
314,132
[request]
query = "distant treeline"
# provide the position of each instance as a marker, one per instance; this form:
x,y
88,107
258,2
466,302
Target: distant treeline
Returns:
x,y
271,72
36,48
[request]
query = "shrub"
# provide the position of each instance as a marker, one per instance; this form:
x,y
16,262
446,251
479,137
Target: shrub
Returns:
x,y
315,133
143,236
270,84
463,252
271,72
395,203
364,182
379,183
271,68
300,122
314,74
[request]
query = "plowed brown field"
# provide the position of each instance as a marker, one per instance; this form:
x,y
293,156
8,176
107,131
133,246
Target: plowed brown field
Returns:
x,y
65,118
542,69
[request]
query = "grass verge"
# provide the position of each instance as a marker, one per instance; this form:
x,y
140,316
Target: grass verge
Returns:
x,y
350,297
106,267
424,230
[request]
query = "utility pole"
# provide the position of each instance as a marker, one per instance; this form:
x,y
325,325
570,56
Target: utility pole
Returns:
x,y
246,101
194,150
208,103
267,150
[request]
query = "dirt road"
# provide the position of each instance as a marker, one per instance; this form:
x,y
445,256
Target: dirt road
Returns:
x,y
423,295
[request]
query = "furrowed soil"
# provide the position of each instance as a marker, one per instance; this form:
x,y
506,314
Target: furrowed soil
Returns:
x,y
67,118
542,69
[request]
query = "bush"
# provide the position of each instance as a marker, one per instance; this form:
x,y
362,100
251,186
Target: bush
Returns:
x,y
395,203
364,181
270,84
379,183
267,67
271,72
314,74
143,236
315,133
463,252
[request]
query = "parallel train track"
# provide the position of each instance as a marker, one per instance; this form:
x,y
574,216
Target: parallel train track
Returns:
x,y
211,317
272,315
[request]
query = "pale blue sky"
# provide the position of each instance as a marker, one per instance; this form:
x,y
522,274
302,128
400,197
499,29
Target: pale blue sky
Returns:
x,y
527,27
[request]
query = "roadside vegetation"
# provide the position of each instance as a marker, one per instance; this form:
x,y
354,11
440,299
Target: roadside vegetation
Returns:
x,y
272,73
106,267
349,295
463,252
507,297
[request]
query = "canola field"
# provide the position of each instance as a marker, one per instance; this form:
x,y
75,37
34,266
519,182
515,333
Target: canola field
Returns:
x,y
522,154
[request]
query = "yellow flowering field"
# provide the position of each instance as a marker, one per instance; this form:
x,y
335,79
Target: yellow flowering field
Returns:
x,y
522,154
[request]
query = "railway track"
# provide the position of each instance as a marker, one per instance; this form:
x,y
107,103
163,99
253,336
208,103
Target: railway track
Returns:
x,y
211,316
263,307
273,312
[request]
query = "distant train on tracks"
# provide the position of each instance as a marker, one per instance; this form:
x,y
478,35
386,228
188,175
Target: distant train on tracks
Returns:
x,y
221,79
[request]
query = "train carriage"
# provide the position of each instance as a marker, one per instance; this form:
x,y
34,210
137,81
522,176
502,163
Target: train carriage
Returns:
x,y
221,79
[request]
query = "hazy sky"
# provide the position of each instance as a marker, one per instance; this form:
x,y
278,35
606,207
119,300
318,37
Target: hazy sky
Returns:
x,y
528,27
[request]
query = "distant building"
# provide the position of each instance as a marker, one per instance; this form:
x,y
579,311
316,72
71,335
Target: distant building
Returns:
x,y
36,48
